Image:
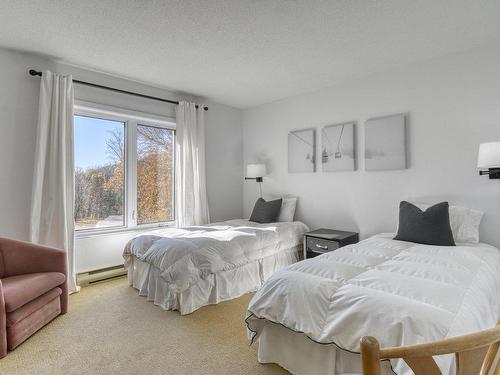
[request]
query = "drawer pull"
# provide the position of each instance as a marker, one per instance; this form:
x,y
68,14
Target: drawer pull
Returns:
x,y
324,247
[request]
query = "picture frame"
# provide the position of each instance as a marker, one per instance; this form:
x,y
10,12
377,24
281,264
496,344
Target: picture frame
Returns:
x,y
338,147
386,143
302,151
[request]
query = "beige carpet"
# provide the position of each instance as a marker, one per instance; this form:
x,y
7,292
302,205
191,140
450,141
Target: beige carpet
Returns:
x,y
111,330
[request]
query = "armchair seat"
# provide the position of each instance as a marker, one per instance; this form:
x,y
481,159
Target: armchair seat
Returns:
x,y
22,289
22,330
24,311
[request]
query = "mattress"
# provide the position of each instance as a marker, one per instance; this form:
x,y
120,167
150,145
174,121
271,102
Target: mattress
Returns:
x,y
186,268
399,292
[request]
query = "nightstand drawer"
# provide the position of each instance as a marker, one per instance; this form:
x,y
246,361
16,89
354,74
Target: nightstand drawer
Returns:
x,y
324,240
317,245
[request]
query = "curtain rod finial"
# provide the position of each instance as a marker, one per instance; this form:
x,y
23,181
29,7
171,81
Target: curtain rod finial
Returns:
x,y
33,72
204,108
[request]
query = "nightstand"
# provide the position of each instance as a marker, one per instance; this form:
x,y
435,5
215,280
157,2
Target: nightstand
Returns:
x,y
323,240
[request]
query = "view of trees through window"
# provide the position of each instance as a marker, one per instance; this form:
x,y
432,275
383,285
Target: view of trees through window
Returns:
x,y
100,165
155,180
99,172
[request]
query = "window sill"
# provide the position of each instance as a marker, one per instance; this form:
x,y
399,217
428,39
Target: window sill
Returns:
x,y
120,230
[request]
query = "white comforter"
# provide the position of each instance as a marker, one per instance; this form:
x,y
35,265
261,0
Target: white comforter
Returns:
x,y
187,255
399,292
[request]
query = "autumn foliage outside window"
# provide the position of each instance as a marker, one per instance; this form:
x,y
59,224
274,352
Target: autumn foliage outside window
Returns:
x,y
100,181
155,165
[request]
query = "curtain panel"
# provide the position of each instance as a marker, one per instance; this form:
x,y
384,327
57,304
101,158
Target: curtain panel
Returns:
x,y
190,181
52,204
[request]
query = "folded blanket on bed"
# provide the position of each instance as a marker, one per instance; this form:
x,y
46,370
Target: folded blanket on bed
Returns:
x,y
399,292
186,255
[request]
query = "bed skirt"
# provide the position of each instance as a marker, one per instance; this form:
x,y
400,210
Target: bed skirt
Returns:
x,y
300,355
218,287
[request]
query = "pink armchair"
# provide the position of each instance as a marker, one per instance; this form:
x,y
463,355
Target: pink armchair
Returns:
x,y
33,290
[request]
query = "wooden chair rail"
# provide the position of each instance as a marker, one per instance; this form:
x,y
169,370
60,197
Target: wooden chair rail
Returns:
x,y
446,346
474,353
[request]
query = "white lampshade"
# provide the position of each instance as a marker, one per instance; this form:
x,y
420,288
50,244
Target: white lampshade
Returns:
x,y
256,170
489,155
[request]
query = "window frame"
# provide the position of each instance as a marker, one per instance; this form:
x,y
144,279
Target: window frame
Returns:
x,y
131,120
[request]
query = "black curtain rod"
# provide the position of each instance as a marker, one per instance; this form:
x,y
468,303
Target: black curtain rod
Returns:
x,y
33,72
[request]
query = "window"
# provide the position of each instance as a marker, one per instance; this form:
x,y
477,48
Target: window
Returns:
x,y
99,173
155,178
124,170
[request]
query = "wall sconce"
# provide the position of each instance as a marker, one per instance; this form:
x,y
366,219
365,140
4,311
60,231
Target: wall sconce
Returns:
x,y
489,158
256,172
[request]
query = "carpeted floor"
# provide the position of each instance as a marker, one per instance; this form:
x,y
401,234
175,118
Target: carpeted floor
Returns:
x,y
111,330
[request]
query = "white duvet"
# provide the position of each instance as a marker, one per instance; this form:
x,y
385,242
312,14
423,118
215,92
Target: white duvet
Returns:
x,y
399,292
186,255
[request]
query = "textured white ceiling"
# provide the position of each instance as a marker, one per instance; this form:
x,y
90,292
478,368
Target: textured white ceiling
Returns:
x,y
247,52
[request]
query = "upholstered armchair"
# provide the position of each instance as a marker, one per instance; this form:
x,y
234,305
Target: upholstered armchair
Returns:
x,y
33,290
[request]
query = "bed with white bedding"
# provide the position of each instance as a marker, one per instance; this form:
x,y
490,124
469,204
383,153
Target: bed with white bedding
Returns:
x,y
187,268
309,317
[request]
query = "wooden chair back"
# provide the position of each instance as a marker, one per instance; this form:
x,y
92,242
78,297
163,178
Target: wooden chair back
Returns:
x,y
476,353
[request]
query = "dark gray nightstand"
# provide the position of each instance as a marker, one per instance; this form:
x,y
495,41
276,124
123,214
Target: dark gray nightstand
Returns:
x,y
323,240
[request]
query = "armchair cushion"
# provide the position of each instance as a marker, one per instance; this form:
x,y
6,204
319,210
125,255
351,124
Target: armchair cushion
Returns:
x,y
16,316
19,332
21,289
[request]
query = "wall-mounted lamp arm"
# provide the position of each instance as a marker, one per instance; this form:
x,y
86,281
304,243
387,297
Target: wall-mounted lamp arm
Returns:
x,y
493,173
257,179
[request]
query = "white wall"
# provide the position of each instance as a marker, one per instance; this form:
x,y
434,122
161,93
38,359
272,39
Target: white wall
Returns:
x,y
18,113
454,104
224,153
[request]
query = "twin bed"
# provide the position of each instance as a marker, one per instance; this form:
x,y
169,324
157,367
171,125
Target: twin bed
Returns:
x,y
308,316
187,268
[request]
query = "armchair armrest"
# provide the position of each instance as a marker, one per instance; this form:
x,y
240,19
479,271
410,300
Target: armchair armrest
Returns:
x,y
20,257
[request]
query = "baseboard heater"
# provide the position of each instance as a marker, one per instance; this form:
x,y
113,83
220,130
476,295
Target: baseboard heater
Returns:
x,y
88,278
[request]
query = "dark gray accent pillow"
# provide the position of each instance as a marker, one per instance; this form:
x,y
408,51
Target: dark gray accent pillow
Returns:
x,y
266,212
429,227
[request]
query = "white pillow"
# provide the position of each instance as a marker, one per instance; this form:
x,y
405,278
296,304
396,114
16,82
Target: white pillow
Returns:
x,y
464,222
288,206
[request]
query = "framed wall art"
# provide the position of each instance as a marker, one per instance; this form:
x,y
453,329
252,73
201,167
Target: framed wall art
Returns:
x,y
385,143
302,151
338,150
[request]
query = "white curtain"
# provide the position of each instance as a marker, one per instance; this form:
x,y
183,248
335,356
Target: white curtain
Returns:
x,y
52,221
190,182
